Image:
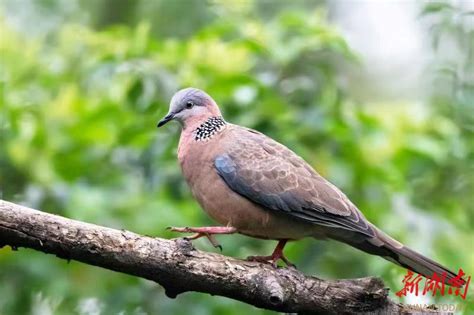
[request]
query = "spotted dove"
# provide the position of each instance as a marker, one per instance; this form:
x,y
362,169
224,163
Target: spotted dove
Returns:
x,y
255,186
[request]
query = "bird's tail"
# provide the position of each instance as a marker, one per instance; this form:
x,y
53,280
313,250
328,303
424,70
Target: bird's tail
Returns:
x,y
390,249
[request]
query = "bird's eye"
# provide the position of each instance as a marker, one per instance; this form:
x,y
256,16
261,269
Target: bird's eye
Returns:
x,y
189,104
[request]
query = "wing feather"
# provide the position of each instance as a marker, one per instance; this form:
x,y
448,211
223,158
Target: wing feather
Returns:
x,y
270,174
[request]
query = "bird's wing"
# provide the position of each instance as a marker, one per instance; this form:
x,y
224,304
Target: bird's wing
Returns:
x,y
268,173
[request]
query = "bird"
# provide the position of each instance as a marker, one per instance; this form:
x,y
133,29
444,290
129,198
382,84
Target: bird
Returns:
x,y
253,185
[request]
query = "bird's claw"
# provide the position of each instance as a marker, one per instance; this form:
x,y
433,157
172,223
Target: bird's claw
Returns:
x,y
290,265
272,260
197,235
263,259
179,229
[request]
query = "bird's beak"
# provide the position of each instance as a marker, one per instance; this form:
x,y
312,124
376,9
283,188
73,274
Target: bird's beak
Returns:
x,y
165,119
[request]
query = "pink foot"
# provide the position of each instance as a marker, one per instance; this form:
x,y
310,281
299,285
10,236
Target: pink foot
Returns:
x,y
206,231
274,257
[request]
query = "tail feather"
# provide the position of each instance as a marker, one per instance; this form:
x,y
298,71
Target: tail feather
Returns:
x,y
423,265
390,249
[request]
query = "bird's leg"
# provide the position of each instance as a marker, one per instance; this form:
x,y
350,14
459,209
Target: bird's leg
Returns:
x,y
205,231
275,256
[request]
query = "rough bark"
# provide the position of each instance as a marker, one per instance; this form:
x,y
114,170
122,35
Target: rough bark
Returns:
x,y
178,267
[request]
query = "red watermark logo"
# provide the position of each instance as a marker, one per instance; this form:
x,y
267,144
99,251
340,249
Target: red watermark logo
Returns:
x,y
436,284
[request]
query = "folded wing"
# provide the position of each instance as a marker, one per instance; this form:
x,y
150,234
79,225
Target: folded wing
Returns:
x,y
273,176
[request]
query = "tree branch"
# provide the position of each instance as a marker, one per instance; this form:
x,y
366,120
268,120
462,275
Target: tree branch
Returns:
x,y
178,267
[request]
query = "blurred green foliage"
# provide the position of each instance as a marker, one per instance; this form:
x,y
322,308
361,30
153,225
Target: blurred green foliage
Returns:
x,y
84,83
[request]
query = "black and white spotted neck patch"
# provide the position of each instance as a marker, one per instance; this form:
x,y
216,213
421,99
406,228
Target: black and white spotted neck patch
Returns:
x,y
209,128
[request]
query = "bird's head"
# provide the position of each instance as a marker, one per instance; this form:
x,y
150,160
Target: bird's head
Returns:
x,y
190,105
